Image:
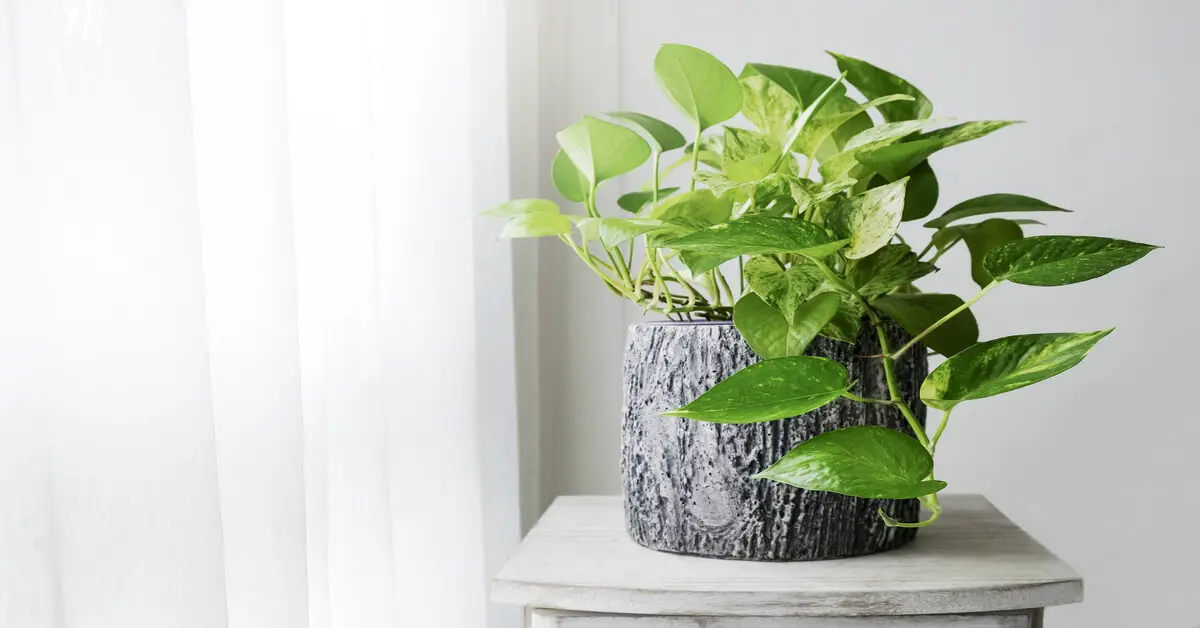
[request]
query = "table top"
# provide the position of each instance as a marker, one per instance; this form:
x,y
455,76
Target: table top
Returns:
x,y
973,559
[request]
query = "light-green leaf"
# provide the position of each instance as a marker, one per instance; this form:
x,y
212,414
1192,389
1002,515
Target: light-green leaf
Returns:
x,y
863,461
615,231
992,204
921,193
916,312
602,150
701,208
782,289
661,136
748,156
1061,260
768,106
634,202
802,85
875,82
772,335
567,179
868,220
520,207
845,324
896,160
756,235
536,225
835,114
984,237
698,83
998,366
770,390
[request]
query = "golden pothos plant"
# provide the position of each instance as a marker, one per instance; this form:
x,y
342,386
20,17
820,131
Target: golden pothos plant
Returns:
x,y
803,211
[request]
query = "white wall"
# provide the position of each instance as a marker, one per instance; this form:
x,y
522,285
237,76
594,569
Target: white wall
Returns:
x,y
1096,464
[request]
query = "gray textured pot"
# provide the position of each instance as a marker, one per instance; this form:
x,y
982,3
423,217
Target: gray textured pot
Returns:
x,y
687,483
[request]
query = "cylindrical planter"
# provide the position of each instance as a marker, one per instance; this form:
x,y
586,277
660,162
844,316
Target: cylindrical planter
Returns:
x,y
687,483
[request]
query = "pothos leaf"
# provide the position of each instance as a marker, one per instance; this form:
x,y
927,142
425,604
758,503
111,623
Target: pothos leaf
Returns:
x,y
921,193
698,83
536,225
768,106
984,237
1005,364
661,136
782,289
875,82
1061,260
567,179
916,312
992,204
634,202
845,324
748,156
886,269
770,390
773,335
755,235
866,461
896,160
868,220
602,150
520,207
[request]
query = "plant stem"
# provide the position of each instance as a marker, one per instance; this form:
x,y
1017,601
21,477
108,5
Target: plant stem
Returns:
x,y
587,259
938,433
725,285
942,251
955,312
695,159
674,275
925,250
654,194
853,397
889,373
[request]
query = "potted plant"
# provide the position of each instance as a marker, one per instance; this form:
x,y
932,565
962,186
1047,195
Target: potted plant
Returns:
x,y
779,411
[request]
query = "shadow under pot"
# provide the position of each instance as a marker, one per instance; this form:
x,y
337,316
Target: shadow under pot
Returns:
x,y
687,484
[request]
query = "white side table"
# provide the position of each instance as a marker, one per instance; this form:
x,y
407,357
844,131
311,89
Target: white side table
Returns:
x,y
973,569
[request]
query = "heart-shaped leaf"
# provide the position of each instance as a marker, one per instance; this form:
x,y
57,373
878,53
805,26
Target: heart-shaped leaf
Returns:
x,y
757,235
998,366
616,231
875,82
845,324
1061,260
661,136
921,193
802,85
768,106
536,225
868,220
992,204
863,461
634,202
770,390
602,150
702,208
847,162
898,159
782,289
837,113
772,335
886,269
698,83
520,207
567,179
916,312
748,156
984,237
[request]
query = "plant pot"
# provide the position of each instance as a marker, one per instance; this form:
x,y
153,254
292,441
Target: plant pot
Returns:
x,y
687,483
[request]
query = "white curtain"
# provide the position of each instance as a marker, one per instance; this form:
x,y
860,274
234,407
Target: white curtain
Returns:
x,y
245,312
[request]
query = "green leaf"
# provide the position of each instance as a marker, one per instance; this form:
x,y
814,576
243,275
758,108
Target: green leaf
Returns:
x,y
802,85
567,179
768,106
845,324
699,263
536,225
864,142
770,390
916,312
998,366
756,235
782,289
699,208
634,202
698,83
1061,260
615,231
661,136
809,113
521,207
992,204
835,114
602,150
863,461
984,237
711,147
896,160
589,228
869,220
874,82
886,269
772,335
748,156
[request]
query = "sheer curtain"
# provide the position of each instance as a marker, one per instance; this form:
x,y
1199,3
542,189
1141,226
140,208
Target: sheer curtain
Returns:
x,y
246,311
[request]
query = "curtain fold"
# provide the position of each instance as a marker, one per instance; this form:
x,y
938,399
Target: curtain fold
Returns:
x,y
240,356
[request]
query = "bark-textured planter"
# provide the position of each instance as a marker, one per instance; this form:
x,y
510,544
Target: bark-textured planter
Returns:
x,y
687,483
